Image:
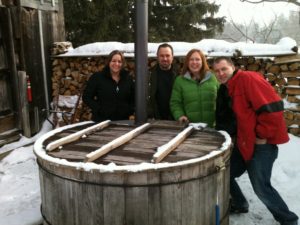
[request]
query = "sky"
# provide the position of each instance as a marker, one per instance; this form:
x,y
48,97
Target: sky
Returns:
x,y
243,12
20,190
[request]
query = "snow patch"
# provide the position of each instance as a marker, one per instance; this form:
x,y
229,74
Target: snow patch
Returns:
x,y
211,47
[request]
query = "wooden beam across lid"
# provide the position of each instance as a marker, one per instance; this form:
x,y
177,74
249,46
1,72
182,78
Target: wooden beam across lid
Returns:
x,y
166,149
116,143
75,136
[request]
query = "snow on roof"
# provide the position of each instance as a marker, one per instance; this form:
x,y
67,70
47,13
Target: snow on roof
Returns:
x,y
211,47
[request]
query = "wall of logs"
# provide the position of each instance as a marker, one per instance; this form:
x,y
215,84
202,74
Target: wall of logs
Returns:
x,y
71,73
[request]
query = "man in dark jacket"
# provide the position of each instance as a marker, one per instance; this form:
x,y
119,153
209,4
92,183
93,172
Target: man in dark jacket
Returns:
x,y
161,79
260,126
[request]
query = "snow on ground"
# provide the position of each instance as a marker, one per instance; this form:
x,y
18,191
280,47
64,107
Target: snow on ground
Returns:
x,y
285,178
20,191
19,188
19,183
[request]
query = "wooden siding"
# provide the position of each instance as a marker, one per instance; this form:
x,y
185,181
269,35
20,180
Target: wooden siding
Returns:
x,y
8,97
27,48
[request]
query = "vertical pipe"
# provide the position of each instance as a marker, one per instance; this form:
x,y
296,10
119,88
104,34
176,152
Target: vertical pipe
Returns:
x,y
141,59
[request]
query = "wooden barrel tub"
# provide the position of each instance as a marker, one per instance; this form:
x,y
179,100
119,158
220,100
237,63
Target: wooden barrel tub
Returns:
x,y
128,185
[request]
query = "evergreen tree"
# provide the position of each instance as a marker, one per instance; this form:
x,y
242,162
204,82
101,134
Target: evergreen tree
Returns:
x,y
289,26
90,21
184,20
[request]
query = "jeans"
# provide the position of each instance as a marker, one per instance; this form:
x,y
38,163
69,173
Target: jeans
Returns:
x,y
259,169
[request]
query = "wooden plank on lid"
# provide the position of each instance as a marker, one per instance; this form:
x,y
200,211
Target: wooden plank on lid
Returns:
x,y
116,143
75,136
164,150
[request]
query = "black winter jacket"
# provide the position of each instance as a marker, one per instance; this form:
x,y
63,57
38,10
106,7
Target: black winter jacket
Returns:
x,y
225,117
109,99
152,105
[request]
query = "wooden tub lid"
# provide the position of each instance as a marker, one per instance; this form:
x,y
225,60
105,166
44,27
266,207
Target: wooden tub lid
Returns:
x,y
140,149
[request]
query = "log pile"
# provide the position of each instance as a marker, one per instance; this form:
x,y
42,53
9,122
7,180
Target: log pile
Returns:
x,y
71,73
290,72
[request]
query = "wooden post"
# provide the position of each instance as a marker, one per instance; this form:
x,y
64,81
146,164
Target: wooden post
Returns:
x,y
46,91
116,143
37,126
24,104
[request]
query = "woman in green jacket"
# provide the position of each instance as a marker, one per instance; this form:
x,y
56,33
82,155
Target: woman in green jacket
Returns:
x,y
194,93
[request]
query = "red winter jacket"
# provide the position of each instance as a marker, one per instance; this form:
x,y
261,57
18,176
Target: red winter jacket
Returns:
x,y
258,110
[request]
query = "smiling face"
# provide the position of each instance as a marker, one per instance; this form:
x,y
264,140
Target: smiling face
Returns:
x,y
195,63
223,70
116,64
165,58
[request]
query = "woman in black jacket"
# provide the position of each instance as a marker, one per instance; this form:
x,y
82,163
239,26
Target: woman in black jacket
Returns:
x,y
110,93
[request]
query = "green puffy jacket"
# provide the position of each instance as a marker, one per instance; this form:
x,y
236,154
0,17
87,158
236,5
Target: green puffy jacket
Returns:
x,y
196,101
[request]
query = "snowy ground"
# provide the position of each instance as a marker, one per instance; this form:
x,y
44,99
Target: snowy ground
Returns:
x,y
20,193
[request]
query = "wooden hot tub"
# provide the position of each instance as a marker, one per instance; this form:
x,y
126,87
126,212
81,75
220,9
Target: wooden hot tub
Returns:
x,y
133,184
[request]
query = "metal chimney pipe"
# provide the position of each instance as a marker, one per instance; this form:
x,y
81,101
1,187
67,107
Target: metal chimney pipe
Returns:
x,y
141,60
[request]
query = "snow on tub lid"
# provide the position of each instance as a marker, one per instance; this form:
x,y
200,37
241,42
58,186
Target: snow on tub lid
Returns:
x,y
40,152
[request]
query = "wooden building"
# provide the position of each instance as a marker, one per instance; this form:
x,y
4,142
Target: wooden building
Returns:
x,y
27,30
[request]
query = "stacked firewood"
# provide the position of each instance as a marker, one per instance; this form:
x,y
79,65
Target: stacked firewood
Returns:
x,y
289,71
267,68
71,73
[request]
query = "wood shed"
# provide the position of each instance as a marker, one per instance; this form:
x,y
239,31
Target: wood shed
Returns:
x,y
28,29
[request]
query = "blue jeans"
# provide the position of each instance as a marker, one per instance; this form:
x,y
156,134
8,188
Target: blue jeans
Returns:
x,y
259,169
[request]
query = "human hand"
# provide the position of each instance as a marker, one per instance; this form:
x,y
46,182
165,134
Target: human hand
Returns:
x,y
183,120
260,141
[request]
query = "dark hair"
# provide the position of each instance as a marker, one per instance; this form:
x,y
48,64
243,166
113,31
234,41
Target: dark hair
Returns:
x,y
204,67
165,45
220,58
111,55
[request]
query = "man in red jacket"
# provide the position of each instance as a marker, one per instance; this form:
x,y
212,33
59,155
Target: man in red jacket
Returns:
x,y
260,126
